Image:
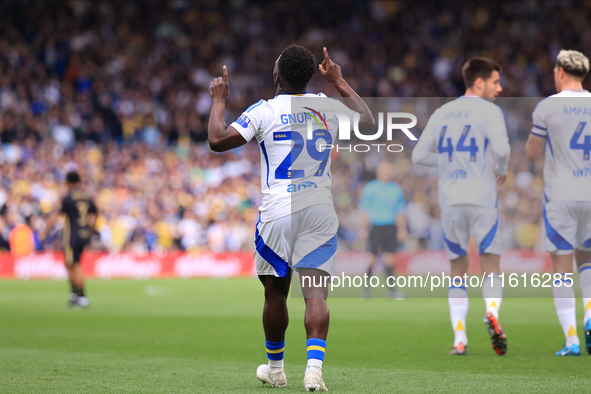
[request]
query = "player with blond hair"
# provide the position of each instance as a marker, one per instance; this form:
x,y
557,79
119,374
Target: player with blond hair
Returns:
x,y
562,128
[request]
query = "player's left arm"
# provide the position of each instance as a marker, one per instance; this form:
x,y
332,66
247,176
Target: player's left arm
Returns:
x,y
401,228
496,133
92,214
221,136
332,73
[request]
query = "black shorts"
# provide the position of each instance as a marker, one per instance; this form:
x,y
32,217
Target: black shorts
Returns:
x,y
382,239
74,252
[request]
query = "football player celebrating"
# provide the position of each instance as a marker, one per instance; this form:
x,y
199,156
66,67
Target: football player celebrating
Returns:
x,y
297,224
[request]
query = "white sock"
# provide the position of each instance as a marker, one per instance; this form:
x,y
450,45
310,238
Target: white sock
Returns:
x,y
314,363
275,364
564,301
458,309
585,285
492,292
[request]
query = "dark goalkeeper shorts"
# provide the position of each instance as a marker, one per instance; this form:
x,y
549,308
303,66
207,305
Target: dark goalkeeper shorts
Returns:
x,y
382,239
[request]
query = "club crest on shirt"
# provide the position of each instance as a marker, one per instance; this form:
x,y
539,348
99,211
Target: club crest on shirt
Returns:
x,y
243,121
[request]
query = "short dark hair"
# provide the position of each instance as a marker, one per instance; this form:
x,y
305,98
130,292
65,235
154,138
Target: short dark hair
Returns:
x,y
296,66
72,177
478,67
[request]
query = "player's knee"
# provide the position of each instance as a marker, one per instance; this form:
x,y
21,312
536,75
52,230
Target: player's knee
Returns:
x,y
311,294
389,258
276,291
316,311
582,256
275,298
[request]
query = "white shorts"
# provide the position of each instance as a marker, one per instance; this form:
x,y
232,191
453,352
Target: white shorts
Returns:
x,y
461,221
567,225
305,239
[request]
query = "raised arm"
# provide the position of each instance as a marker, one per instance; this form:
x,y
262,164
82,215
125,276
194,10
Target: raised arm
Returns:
x,y
221,136
332,73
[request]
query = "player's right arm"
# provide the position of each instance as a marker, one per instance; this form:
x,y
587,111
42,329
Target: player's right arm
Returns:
x,y
401,223
51,222
365,202
425,152
536,141
221,137
534,147
332,73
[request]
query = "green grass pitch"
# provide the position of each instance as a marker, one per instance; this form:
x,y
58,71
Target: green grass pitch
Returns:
x,y
205,336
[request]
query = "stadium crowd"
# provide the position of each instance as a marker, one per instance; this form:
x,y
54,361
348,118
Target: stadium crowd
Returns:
x,y
120,92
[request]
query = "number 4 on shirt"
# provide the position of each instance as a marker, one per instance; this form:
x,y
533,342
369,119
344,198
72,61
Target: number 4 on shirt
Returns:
x,y
472,148
449,149
460,147
586,145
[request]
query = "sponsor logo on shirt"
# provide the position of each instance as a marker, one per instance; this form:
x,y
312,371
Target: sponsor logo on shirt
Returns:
x,y
304,185
582,172
457,174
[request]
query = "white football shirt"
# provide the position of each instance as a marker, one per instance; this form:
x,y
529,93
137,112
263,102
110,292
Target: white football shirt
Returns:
x,y
463,138
564,119
295,171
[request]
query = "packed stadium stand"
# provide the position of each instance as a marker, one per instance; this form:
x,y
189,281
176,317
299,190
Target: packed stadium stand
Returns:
x,y
120,92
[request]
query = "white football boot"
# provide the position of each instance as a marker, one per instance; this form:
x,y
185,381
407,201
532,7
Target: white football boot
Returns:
x,y
274,379
83,302
313,380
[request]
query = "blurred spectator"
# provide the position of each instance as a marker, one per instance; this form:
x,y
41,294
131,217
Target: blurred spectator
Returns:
x,y
22,240
189,230
63,133
96,133
4,230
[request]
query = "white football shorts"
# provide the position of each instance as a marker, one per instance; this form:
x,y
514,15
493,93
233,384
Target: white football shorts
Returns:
x,y
305,239
461,221
567,225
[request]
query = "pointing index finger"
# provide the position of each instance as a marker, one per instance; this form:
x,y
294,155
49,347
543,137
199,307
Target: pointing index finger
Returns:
x,y
225,74
326,54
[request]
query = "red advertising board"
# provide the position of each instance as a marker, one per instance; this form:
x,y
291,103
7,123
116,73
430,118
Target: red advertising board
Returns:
x,y
131,265
214,265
